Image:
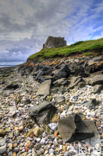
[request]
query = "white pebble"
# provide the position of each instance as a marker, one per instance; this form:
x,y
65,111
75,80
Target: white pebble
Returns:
x,y
53,126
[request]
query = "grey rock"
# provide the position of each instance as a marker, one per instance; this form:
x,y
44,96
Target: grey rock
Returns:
x,y
51,151
98,88
76,82
66,127
25,70
53,126
33,152
3,149
2,145
41,151
42,113
2,141
63,72
73,128
44,88
92,103
12,110
66,154
96,138
98,79
43,141
60,82
95,60
27,101
60,99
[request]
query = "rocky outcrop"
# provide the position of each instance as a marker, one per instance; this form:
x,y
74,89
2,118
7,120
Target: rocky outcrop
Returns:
x,y
54,42
68,67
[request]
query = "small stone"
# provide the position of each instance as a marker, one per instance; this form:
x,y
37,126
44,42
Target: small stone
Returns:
x,y
96,153
30,133
51,151
14,154
43,141
38,139
3,149
37,131
21,128
55,118
23,154
66,154
57,149
41,151
46,152
12,110
44,88
51,155
10,146
4,131
101,136
56,133
15,145
60,99
28,144
38,146
53,126
26,149
64,148
2,141
60,147
33,152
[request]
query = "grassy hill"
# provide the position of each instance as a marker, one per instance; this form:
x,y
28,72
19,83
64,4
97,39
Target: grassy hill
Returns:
x,y
85,47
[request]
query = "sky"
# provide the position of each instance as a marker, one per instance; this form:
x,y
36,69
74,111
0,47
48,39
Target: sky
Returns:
x,y
26,24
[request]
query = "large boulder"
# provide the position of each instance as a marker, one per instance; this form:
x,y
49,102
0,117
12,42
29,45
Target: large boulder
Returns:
x,y
95,64
73,128
95,60
44,88
62,72
98,79
60,82
98,88
42,73
75,81
42,113
78,68
54,42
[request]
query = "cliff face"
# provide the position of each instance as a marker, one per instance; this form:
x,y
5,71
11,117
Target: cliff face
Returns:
x,y
54,42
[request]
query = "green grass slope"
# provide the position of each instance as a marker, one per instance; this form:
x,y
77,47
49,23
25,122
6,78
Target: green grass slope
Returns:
x,y
86,47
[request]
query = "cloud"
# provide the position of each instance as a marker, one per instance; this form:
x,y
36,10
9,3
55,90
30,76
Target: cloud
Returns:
x,y
25,24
